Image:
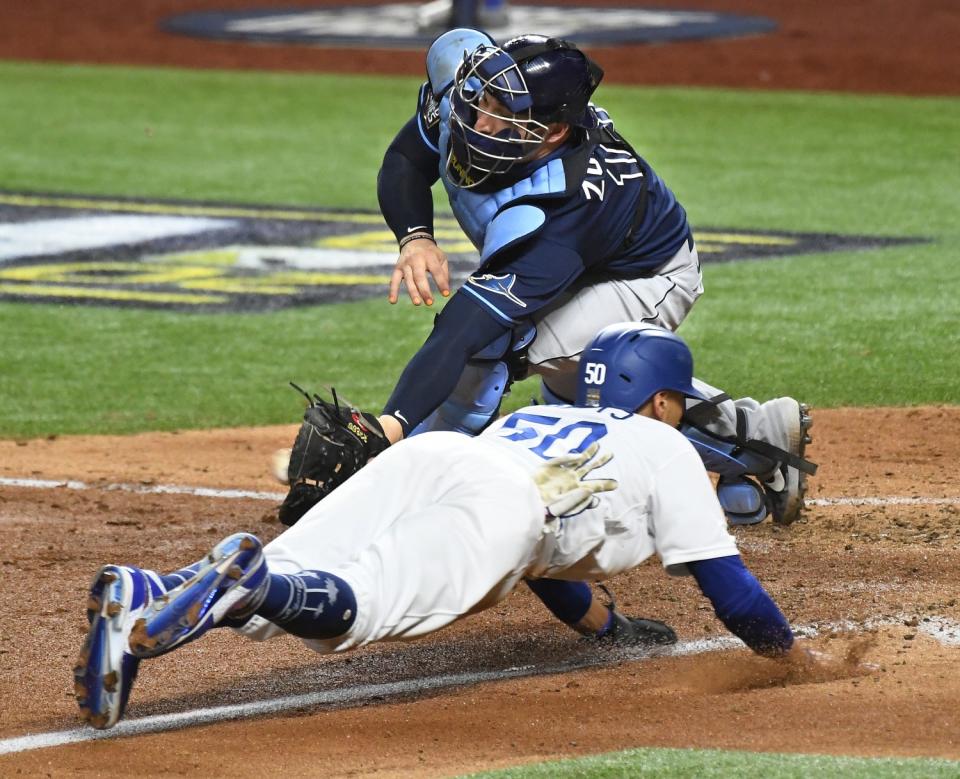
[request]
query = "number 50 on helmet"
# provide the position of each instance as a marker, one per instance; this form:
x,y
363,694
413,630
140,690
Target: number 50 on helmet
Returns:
x,y
627,364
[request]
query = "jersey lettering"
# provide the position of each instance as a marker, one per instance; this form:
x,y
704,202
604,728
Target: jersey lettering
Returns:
x,y
627,168
547,438
593,169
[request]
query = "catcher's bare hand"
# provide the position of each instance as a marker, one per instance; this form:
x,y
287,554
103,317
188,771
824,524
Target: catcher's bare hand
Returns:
x,y
418,260
563,485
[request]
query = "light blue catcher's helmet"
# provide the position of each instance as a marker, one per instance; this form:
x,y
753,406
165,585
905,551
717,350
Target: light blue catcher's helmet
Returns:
x,y
627,364
446,55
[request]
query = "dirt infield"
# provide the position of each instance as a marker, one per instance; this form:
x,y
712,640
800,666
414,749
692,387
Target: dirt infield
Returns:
x,y
893,565
870,46
898,565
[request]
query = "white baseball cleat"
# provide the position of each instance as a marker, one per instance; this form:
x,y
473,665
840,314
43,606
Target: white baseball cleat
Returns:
x,y
227,578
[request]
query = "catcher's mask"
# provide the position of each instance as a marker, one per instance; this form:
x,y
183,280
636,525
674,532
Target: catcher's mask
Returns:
x,y
627,364
537,81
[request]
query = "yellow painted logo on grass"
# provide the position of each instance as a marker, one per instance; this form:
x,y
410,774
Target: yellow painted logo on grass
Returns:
x,y
221,257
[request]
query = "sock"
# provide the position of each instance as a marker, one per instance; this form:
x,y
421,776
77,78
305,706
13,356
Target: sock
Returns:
x,y
308,604
607,627
568,601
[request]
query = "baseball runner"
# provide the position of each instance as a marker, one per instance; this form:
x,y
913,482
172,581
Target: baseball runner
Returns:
x,y
575,231
444,525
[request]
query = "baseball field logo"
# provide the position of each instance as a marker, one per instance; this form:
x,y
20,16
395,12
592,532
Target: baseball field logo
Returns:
x,y
194,256
410,25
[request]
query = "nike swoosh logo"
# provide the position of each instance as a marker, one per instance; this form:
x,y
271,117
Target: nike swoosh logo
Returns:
x,y
418,227
398,415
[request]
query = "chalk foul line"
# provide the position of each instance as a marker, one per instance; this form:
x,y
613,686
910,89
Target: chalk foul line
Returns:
x,y
942,629
213,492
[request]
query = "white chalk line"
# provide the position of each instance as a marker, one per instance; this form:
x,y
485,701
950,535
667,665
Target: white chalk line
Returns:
x,y
212,492
345,696
144,489
942,629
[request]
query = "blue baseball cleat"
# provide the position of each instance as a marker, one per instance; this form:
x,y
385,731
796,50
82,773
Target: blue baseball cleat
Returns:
x,y
226,578
132,617
106,669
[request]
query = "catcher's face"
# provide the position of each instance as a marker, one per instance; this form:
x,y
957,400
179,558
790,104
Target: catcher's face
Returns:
x,y
493,117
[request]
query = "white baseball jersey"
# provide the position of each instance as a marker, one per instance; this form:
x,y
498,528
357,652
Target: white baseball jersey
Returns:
x,y
665,503
442,525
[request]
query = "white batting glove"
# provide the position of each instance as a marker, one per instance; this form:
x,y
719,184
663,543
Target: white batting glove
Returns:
x,y
562,484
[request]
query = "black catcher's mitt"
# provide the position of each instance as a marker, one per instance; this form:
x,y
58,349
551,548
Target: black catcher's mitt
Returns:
x,y
333,443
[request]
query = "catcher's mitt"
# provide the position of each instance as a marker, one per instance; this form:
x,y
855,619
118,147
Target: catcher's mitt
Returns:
x,y
333,443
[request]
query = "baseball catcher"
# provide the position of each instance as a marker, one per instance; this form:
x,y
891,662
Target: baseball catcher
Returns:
x,y
333,443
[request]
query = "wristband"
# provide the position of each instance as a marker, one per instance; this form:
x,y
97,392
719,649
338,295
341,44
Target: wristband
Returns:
x,y
416,236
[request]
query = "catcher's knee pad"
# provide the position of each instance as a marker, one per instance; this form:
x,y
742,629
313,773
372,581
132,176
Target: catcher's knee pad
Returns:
x,y
742,500
727,458
474,402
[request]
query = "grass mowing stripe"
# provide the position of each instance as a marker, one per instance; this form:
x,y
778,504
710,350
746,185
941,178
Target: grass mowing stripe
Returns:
x,y
265,138
856,328
880,333
703,764
757,159
83,370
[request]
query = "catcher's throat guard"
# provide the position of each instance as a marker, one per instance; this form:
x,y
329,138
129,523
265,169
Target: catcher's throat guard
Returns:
x,y
333,443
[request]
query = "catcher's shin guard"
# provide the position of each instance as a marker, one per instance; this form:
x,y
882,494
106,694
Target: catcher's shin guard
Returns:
x,y
743,500
757,478
486,379
474,402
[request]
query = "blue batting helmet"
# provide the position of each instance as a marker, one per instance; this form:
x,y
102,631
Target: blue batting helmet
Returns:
x,y
538,81
627,364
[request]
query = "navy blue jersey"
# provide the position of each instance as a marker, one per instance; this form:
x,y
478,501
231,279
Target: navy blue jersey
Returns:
x,y
592,229
594,206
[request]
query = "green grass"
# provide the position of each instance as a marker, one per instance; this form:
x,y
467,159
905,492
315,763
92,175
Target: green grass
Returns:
x,y
705,764
867,328
78,369
857,328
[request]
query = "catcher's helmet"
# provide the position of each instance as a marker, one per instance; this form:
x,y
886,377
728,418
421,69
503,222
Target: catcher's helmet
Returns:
x,y
627,364
538,81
